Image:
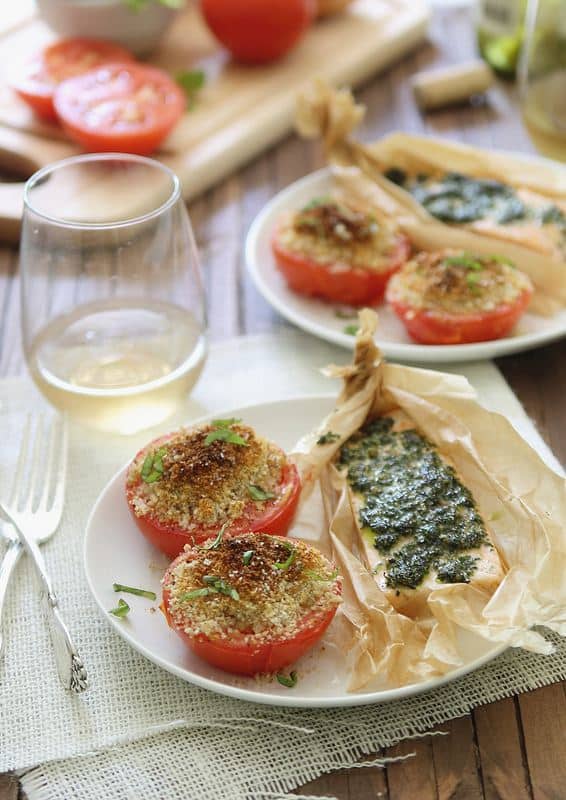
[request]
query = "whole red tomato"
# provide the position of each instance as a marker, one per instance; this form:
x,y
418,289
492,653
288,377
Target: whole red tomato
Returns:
x,y
258,31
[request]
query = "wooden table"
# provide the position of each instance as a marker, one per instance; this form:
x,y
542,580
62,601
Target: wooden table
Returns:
x,y
514,749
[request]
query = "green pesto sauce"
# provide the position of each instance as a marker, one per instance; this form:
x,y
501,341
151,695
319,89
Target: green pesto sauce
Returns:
x,y
458,198
419,514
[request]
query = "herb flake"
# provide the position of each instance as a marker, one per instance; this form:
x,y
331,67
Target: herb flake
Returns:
x,y
289,681
221,431
315,576
464,260
351,330
152,467
247,557
283,565
257,493
328,438
119,587
191,81
121,610
219,585
215,543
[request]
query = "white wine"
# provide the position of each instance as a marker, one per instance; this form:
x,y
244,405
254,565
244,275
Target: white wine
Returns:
x,y
116,365
544,114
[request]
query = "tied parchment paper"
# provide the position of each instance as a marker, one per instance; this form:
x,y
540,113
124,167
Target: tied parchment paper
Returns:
x,y
332,115
521,499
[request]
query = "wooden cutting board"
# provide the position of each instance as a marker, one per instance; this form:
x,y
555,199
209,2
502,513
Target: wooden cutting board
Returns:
x,y
241,110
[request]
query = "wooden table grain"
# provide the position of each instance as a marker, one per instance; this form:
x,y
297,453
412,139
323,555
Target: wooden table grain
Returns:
x,y
514,749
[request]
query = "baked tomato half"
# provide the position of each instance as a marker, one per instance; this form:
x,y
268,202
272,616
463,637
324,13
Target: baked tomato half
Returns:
x,y
258,31
128,108
57,63
337,253
252,603
453,297
184,487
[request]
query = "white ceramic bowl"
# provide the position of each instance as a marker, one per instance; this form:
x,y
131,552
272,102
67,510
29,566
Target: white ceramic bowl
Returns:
x,y
112,20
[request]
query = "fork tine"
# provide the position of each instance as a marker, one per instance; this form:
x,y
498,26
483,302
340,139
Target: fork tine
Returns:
x,y
50,460
61,474
17,483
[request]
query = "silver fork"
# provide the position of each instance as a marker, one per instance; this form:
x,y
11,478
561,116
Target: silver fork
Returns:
x,y
34,509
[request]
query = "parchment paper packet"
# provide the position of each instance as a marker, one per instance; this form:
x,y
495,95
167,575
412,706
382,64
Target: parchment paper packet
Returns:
x,y
521,498
333,115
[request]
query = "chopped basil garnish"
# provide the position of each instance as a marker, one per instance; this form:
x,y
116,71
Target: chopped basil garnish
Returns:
x,y
287,680
152,467
282,565
315,576
121,610
197,593
469,262
342,313
247,557
191,81
215,544
257,493
225,423
316,202
214,586
497,259
351,330
221,432
118,587
328,438
219,585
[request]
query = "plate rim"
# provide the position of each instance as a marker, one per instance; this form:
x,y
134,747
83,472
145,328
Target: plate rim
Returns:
x,y
402,351
257,696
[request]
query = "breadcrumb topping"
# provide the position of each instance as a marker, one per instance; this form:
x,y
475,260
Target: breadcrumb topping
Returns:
x,y
457,282
204,483
261,598
338,235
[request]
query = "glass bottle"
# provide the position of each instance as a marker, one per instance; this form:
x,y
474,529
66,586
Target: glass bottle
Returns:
x,y
499,25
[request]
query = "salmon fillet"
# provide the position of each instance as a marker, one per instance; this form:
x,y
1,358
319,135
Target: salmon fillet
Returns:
x,y
419,525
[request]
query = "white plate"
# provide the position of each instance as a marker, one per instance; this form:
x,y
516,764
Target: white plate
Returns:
x,y
115,551
319,318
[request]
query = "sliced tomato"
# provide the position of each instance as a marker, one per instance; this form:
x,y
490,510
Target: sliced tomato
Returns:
x,y
128,108
59,62
250,655
272,516
339,283
439,327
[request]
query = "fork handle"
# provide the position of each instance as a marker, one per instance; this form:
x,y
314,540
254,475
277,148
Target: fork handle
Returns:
x,y
11,558
69,664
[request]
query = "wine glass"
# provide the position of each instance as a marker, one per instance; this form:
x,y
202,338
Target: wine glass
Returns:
x,y
113,311
542,76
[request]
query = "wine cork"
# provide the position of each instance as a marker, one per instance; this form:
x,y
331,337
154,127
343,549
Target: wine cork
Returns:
x,y
455,84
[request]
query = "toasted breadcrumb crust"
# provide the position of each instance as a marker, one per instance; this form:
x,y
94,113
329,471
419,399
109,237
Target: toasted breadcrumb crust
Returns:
x,y
445,281
273,602
338,236
205,484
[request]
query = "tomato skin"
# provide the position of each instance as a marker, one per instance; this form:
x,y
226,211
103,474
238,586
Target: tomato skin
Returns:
x,y
440,327
241,658
171,539
60,61
352,286
258,31
119,88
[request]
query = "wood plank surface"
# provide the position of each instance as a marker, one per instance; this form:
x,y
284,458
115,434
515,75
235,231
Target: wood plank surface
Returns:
x,y
514,749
